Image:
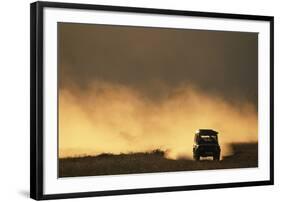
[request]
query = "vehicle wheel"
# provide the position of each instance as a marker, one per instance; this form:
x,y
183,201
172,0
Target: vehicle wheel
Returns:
x,y
196,157
216,157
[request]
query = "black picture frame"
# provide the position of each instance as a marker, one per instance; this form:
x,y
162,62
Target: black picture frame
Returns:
x,y
36,98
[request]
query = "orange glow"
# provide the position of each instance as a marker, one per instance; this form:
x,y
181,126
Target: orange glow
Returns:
x,y
117,119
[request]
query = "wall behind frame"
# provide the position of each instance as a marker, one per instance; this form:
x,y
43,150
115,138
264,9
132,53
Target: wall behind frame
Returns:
x,y
14,102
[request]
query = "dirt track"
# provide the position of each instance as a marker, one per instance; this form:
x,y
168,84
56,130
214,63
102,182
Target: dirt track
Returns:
x,y
245,156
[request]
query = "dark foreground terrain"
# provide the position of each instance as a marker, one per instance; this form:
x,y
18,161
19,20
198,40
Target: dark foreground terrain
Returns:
x,y
244,156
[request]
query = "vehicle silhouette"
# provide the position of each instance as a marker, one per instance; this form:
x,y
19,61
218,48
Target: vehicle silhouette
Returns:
x,y
206,144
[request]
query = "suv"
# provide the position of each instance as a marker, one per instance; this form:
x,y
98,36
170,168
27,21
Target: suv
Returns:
x,y
206,144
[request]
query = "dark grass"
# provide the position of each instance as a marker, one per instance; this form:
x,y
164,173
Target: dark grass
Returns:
x,y
244,156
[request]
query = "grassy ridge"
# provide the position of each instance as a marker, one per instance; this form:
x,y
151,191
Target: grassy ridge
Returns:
x,y
245,156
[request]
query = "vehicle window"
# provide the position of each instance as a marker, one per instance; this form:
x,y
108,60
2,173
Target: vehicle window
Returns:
x,y
208,138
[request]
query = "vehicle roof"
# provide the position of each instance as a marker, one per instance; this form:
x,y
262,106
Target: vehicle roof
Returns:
x,y
206,131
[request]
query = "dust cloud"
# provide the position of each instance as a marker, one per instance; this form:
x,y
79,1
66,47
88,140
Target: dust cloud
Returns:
x,y
114,118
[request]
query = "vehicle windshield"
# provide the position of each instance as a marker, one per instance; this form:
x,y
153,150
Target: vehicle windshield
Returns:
x,y
208,139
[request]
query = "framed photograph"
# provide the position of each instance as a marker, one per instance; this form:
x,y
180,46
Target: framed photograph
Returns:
x,y
131,100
